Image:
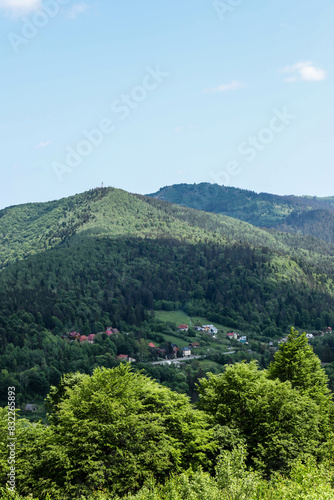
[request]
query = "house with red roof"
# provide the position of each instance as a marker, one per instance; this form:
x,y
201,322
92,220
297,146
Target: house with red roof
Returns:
x,y
152,345
83,338
74,335
111,331
183,328
125,357
91,338
194,345
122,357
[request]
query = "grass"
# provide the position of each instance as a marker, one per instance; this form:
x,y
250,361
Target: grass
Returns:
x,y
180,317
210,366
176,340
177,317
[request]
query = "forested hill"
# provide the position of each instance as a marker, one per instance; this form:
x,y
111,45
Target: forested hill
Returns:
x,y
317,223
110,258
263,209
110,213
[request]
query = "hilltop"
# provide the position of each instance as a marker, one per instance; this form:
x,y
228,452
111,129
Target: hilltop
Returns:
x,y
260,209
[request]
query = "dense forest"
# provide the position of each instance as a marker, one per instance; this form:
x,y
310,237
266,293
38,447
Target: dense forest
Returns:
x,y
107,258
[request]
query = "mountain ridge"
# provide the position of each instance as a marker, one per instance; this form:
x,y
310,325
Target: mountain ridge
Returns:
x,y
260,209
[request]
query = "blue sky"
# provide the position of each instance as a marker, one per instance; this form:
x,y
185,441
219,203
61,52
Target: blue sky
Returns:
x,y
144,94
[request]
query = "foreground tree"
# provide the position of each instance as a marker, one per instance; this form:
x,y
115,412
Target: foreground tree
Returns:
x,y
277,422
295,361
114,430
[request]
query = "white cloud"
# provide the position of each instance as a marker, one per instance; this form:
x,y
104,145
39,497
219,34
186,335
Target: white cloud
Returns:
x,y
43,144
304,70
225,87
76,10
19,6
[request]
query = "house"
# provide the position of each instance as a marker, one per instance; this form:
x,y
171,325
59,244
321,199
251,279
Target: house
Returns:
x,y
83,338
74,335
152,345
109,331
125,357
175,349
194,345
30,408
183,328
210,329
91,338
232,335
309,336
186,351
243,340
162,352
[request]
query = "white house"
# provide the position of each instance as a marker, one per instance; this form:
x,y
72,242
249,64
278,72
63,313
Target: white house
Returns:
x,y
186,351
210,328
243,339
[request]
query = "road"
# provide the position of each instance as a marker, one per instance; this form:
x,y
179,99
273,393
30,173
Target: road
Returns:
x,y
181,360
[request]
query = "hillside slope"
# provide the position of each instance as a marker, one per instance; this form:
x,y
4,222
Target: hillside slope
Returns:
x,y
108,239
318,223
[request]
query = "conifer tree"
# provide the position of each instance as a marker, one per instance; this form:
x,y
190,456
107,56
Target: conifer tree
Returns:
x,y
295,361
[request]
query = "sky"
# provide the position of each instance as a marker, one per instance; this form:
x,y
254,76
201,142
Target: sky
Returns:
x,y
143,94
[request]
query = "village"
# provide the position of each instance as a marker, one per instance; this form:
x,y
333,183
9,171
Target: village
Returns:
x,y
175,351
209,330
176,355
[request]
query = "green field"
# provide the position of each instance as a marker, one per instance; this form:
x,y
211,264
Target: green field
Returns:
x,y
179,317
176,340
210,366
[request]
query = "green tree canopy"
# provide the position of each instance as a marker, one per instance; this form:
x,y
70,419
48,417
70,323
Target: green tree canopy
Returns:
x,y
60,393
296,362
117,428
277,422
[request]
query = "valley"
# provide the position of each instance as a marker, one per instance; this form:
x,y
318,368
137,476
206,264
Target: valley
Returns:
x,y
145,266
